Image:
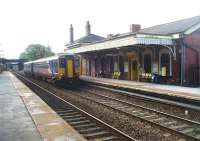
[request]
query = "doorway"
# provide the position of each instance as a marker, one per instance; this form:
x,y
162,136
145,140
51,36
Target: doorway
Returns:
x,y
133,69
147,63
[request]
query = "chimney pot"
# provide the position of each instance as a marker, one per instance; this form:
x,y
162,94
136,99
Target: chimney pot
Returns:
x,y
88,30
135,27
71,34
110,36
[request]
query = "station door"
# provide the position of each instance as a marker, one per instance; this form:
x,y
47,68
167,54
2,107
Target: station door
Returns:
x,y
133,69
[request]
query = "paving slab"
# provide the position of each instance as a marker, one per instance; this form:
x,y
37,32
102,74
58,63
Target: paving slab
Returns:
x,y
15,121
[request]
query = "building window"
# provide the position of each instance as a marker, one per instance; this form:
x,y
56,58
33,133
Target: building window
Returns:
x,y
165,64
147,63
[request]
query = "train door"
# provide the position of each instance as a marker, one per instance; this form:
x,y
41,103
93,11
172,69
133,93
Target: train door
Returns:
x,y
53,67
70,69
62,66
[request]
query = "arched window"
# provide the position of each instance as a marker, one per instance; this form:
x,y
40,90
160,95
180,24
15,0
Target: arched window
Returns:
x,y
147,63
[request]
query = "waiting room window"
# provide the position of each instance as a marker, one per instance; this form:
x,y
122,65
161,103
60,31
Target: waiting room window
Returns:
x,y
147,63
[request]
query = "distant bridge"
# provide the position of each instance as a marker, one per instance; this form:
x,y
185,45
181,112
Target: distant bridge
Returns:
x,y
16,64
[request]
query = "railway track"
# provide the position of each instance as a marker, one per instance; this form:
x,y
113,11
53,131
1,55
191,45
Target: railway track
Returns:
x,y
89,126
180,109
185,128
148,97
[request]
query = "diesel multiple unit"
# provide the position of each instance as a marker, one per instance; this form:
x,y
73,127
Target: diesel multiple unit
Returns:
x,y
56,68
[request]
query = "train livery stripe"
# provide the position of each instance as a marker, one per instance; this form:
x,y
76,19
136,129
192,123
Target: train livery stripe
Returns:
x,y
70,68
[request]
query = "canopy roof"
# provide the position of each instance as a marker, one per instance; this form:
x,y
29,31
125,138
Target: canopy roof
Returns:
x,y
172,28
163,34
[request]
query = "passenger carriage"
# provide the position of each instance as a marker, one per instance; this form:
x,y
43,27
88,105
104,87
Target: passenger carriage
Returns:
x,y
63,67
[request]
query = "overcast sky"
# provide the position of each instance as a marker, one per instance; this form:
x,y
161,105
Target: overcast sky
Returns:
x,y
23,22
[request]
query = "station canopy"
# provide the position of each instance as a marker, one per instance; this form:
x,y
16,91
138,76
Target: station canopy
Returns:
x,y
122,41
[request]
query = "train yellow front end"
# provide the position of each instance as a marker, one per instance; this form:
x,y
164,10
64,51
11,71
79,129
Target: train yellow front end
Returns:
x,y
68,69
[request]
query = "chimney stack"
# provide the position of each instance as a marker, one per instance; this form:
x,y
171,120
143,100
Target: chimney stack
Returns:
x,y
135,27
88,32
71,34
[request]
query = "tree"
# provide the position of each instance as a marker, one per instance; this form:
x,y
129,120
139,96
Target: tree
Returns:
x,y
36,51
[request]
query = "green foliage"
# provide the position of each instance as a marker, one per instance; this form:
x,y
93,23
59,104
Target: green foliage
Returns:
x,y
195,131
36,51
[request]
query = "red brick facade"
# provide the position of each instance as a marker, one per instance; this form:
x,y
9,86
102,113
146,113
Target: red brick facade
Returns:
x,y
192,42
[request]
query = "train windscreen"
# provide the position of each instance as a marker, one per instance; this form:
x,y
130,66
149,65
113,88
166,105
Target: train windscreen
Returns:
x,y
62,62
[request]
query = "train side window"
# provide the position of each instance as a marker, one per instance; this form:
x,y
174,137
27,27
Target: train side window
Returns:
x,y
55,66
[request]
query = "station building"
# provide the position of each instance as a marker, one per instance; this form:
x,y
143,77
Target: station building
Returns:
x,y
170,52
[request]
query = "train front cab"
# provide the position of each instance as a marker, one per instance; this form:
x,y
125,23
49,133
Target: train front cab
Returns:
x,y
68,68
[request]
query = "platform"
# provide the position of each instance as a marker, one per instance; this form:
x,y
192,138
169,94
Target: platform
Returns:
x,y
179,91
25,117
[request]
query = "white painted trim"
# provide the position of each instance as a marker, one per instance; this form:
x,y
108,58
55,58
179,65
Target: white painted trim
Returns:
x,y
173,36
154,41
192,29
109,44
176,36
153,36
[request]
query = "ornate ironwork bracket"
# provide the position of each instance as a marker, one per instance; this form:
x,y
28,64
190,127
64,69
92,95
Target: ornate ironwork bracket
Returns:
x,y
172,50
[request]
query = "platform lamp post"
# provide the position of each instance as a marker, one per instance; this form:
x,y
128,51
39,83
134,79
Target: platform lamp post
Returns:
x,y
1,58
118,67
1,52
182,60
0,49
1,55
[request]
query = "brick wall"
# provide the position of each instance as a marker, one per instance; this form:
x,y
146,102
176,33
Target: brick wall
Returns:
x,y
193,42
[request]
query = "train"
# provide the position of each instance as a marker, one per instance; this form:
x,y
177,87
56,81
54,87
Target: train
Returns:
x,y
57,68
